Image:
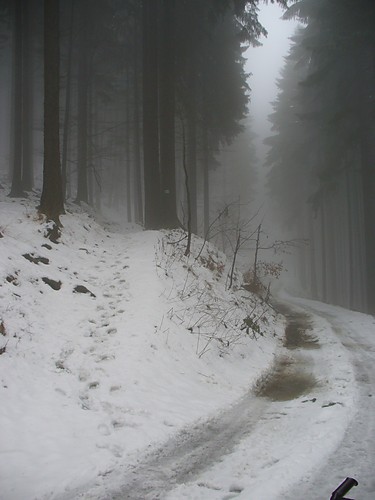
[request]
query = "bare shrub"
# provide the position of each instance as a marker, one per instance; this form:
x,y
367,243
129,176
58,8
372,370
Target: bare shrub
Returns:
x,y
216,316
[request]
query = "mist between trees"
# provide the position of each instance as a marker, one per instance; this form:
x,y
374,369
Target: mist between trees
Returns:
x,y
322,156
142,108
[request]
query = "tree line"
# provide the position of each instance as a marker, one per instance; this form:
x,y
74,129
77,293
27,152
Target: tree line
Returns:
x,y
127,102
322,153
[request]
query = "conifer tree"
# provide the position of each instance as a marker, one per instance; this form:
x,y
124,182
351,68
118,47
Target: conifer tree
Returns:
x,y
51,202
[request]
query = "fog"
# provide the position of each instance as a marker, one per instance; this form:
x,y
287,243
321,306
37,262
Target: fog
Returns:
x,y
265,63
143,112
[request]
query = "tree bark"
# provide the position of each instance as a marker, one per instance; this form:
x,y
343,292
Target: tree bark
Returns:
x,y
27,98
206,187
83,90
192,169
152,185
367,146
67,113
128,163
51,203
138,199
17,188
167,115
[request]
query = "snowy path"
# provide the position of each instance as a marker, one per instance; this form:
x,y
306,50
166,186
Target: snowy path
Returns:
x,y
293,422
191,452
103,394
99,363
355,455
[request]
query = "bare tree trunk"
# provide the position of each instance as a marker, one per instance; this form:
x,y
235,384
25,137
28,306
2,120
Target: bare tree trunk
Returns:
x,y
187,187
206,191
90,155
67,113
367,166
51,203
17,188
27,98
138,194
138,198
150,89
192,169
83,85
255,268
167,114
324,252
235,253
128,165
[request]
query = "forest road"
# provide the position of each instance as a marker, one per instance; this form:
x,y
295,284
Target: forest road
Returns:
x,y
196,449
288,388
355,456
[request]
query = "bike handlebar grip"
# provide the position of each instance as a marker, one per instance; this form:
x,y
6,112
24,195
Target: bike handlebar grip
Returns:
x,y
344,487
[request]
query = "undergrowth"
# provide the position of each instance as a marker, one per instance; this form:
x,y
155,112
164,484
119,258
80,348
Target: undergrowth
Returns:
x,y
201,302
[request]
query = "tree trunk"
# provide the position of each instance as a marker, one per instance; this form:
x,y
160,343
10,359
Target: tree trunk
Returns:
x,y
17,188
150,116
187,189
138,201
27,98
83,90
51,203
323,243
367,146
192,169
128,163
67,113
206,191
167,115
90,153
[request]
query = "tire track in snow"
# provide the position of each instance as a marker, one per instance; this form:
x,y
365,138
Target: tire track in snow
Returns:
x,y
355,456
191,452
187,455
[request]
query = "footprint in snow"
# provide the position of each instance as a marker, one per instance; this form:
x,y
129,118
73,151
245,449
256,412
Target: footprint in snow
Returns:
x,y
93,385
117,424
83,375
105,357
117,451
104,430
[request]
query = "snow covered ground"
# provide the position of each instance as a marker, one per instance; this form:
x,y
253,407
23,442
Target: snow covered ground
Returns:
x,y
93,384
89,381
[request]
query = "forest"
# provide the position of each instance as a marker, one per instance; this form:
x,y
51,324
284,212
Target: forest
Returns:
x,y
139,99
144,107
322,153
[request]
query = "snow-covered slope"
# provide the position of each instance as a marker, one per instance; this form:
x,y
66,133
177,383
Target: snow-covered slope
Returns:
x,y
88,380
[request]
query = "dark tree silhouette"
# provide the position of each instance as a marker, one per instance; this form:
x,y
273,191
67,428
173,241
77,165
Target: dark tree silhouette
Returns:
x,y
51,202
17,187
323,153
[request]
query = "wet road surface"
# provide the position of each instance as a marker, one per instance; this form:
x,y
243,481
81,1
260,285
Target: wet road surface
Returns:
x,y
188,454
355,456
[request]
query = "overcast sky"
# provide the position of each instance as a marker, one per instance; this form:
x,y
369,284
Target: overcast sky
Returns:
x,y
265,64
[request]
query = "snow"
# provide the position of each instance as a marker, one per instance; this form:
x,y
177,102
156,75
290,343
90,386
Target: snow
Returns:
x,y
90,383
290,438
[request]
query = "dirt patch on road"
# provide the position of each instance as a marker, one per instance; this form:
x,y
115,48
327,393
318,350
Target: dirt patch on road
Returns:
x,y
297,333
287,380
290,377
